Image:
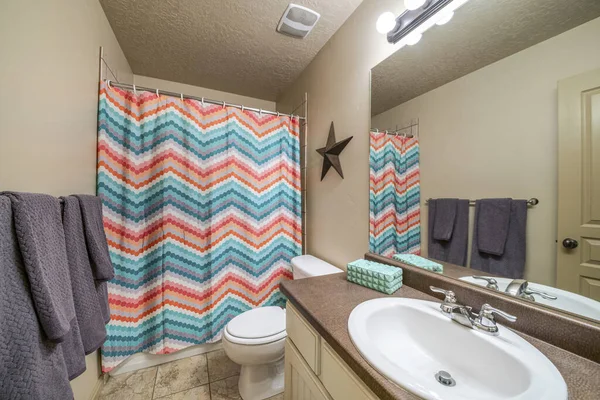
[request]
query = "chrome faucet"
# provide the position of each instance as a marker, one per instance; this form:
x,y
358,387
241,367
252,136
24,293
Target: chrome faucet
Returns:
x,y
520,288
484,321
491,282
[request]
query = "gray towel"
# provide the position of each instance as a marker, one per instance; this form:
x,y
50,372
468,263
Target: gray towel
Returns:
x,y
73,352
511,263
445,215
91,209
31,366
95,238
493,217
90,316
102,291
41,238
454,250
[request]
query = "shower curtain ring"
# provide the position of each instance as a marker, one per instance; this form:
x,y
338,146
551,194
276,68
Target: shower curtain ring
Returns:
x,y
157,95
203,102
278,113
181,96
134,91
108,82
223,103
242,108
260,112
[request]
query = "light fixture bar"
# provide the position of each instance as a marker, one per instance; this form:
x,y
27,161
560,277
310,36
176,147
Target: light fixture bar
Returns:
x,y
410,20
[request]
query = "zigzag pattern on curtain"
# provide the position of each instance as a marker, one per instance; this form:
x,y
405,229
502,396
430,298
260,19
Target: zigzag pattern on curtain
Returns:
x,y
202,211
394,195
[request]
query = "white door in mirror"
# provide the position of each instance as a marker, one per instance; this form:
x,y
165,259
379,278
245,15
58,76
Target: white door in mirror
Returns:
x,y
411,343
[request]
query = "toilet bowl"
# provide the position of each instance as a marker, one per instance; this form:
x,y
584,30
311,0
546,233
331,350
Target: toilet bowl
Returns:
x,y
255,339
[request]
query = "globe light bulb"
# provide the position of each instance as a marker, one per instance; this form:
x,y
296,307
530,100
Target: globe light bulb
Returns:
x,y
386,22
413,4
444,18
413,38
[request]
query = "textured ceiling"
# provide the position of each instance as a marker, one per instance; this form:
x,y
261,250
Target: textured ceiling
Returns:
x,y
481,32
228,45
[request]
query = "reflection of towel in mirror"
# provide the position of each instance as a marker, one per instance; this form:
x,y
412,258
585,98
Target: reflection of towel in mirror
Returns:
x,y
449,216
39,370
499,245
445,215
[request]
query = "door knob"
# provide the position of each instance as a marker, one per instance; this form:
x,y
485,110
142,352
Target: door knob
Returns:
x,y
570,244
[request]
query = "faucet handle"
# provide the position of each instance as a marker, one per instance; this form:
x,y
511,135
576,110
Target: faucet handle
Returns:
x,y
544,295
491,282
450,296
488,312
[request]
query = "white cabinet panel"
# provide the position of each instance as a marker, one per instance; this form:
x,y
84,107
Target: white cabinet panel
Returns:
x,y
304,336
300,381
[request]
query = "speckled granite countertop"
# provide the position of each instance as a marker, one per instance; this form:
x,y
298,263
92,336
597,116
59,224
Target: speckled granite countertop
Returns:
x,y
327,301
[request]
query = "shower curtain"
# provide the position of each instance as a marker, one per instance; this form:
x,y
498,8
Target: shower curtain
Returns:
x,y
202,211
394,195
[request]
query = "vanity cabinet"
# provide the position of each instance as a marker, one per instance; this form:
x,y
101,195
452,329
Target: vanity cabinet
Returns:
x,y
313,370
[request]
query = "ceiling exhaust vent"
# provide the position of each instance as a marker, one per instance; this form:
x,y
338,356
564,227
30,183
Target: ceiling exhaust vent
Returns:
x,y
298,21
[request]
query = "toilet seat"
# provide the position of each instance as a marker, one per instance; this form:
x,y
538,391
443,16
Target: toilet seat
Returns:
x,y
258,326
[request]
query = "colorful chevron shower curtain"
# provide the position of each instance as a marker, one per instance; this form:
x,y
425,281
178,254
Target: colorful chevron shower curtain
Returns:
x,y
394,195
202,211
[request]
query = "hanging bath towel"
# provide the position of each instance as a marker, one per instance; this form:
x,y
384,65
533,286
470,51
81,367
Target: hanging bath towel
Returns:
x,y
202,212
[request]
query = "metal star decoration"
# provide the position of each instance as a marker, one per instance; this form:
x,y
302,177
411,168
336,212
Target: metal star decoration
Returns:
x,y
331,153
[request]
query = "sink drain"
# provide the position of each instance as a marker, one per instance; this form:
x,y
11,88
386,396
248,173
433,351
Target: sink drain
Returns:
x,y
445,378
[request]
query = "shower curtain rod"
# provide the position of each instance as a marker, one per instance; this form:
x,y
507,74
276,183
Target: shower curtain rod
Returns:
x,y
202,99
395,131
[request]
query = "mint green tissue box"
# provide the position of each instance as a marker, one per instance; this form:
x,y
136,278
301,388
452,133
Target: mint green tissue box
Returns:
x,y
374,284
381,277
377,270
421,262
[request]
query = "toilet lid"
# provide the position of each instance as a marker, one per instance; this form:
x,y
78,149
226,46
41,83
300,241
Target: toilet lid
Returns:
x,y
258,323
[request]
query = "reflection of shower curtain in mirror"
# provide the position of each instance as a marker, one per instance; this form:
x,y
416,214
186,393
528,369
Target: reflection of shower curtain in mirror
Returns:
x,y
202,211
394,195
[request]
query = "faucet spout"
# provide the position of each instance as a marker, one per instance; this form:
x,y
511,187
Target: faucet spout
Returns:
x,y
464,315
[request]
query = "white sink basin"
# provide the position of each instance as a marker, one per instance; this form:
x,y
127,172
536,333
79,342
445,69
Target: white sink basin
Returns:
x,y
409,341
566,301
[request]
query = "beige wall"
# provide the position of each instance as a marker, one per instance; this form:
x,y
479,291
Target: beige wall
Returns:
x,y
203,92
493,133
48,103
338,86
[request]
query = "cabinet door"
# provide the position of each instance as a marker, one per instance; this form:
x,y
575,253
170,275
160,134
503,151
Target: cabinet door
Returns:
x,y
339,380
300,381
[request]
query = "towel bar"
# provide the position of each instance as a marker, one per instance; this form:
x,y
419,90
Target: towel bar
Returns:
x,y
530,203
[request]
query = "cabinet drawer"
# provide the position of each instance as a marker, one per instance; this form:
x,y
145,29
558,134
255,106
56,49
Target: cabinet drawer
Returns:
x,y
339,380
300,382
304,337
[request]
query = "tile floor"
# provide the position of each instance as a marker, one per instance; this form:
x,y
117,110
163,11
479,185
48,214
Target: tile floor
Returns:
x,y
210,376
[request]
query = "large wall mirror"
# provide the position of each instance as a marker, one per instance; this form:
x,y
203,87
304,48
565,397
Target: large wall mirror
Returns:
x,y
485,150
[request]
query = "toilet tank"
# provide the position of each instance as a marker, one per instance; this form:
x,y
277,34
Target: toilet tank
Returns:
x,y
307,266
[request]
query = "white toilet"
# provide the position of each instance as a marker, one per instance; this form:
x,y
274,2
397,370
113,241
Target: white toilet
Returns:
x,y
255,339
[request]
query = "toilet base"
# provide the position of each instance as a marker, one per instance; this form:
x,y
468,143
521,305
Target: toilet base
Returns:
x,y
259,382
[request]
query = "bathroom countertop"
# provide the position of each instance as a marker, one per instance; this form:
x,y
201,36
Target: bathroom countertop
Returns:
x,y
327,301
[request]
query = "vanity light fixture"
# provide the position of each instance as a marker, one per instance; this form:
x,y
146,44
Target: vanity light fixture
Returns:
x,y
386,22
419,16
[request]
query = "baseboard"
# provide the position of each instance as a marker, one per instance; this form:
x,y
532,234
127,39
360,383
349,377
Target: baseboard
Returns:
x,y
143,360
97,387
